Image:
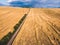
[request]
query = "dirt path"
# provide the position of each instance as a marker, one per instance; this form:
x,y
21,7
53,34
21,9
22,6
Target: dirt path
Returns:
x,y
17,31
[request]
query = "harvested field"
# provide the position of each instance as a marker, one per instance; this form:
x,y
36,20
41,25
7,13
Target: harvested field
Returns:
x,y
41,27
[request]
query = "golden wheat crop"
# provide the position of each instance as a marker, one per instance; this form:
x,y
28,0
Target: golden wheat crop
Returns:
x,y
9,17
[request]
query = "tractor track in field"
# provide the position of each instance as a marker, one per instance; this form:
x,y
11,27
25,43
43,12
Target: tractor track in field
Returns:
x,y
55,30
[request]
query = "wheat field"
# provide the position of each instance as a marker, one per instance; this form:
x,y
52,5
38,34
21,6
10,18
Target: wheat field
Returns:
x,y
41,27
9,17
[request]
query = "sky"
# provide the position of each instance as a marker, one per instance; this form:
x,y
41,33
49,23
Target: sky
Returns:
x,y
4,1
37,3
